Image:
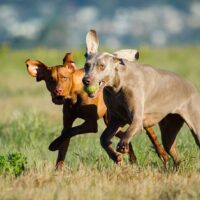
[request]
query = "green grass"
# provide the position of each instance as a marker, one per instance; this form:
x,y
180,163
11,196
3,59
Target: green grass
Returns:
x,y
29,122
13,164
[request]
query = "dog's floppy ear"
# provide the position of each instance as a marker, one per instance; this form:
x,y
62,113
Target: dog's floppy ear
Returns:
x,y
68,61
118,60
36,69
92,42
128,54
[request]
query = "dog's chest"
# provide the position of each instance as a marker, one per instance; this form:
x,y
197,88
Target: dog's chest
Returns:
x,y
117,105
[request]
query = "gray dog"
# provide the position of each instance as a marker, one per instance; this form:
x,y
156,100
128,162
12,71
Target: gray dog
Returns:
x,y
141,96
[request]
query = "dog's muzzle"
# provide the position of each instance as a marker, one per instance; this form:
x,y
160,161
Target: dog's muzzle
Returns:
x,y
58,100
86,80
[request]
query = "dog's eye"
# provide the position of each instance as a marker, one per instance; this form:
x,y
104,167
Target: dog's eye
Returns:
x,y
64,78
101,66
87,66
86,55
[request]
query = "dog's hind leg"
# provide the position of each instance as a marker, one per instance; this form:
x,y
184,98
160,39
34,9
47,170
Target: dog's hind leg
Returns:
x,y
158,147
195,130
170,127
191,115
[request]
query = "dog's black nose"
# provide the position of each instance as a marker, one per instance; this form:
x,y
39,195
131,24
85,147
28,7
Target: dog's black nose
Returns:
x,y
86,80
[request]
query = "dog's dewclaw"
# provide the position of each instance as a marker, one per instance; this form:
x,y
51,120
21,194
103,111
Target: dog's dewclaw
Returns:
x,y
91,89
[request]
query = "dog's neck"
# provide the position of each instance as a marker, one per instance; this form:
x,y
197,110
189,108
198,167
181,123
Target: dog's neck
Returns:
x,y
115,83
115,80
77,85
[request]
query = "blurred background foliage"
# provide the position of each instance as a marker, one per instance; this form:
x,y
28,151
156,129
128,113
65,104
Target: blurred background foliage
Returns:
x,y
63,24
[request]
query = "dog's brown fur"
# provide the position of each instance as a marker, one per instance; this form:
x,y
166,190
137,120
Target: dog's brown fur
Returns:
x,y
64,82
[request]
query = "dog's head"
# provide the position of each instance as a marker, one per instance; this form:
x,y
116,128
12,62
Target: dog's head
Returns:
x,y
58,78
101,68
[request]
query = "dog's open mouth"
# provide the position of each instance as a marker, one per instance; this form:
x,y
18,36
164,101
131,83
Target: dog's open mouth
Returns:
x,y
100,88
58,100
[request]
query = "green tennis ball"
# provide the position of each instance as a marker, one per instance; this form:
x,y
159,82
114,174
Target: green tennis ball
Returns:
x,y
91,89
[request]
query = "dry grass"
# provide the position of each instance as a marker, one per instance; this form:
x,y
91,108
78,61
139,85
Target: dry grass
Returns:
x,y
126,182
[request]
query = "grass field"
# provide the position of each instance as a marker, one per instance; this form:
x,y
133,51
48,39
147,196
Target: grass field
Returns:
x,y
29,121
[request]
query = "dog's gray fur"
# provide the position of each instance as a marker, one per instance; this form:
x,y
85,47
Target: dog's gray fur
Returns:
x,y
142,96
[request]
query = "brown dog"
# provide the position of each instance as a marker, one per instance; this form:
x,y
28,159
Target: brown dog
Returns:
x,y
64,82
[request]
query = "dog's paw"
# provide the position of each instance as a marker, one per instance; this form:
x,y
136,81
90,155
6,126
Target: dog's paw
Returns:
x,y
119,159
60,166
55,144
123,147
132,158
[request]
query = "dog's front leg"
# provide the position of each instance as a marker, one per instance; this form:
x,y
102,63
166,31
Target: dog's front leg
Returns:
x,y
88,126
135,126
62,154
68,120
106,142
